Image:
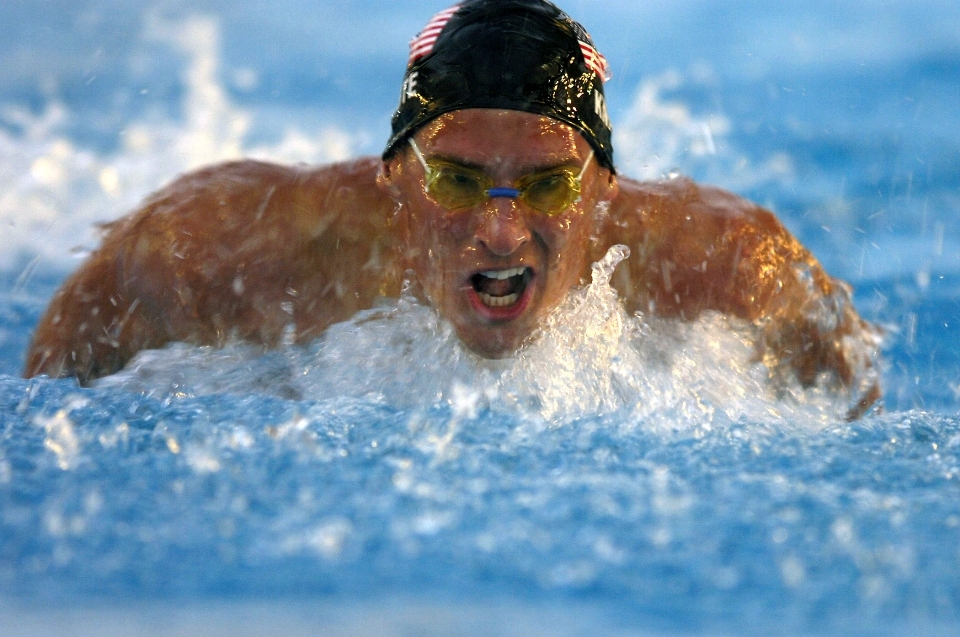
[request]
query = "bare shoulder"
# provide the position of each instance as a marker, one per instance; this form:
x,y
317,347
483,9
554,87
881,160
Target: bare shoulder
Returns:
x,y
242,250
300,202
699,248
696,247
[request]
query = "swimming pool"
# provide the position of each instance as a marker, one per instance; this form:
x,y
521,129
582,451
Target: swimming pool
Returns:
x,y
637,480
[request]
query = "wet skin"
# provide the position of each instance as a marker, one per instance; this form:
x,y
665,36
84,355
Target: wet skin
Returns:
x,y
247,250
455,253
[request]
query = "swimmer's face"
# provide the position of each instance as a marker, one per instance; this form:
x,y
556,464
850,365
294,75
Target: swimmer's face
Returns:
x,y
495,268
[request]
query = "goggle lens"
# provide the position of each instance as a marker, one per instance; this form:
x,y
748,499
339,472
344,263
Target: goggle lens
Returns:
x,y
457,187
551,193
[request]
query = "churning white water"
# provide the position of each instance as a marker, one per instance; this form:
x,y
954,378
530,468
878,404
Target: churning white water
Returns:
x,y
589,358
621,475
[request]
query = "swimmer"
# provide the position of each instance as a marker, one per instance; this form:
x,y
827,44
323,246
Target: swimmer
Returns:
x,y
495,193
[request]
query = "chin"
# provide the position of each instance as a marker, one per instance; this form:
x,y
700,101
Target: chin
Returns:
x,y
494,346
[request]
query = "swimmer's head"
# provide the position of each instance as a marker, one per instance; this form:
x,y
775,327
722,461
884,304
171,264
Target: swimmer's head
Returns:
x,y
523,55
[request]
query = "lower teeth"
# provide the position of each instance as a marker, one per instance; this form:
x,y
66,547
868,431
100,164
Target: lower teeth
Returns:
x,y
498,301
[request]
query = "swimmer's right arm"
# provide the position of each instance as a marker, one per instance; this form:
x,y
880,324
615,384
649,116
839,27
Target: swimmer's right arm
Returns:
x,y
245,250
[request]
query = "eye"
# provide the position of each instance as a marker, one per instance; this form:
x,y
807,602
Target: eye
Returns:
x,y
454,188
551,193
547,184
464,181
450,178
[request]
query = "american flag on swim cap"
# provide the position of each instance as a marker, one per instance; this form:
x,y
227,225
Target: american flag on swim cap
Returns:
x,y
521,55
595,62
422,45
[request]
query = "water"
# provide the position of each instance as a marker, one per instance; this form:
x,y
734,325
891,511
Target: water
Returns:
x,y
621,476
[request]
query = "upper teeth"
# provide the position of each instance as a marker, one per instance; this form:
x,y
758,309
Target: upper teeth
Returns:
x,y
503,274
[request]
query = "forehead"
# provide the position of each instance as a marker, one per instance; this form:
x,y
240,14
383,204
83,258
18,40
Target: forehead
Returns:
x,y
496,136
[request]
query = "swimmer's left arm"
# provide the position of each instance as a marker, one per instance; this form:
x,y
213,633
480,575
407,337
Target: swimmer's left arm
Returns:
x,y
697,248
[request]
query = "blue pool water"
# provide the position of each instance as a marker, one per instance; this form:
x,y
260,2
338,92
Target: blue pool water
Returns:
x,y
623,477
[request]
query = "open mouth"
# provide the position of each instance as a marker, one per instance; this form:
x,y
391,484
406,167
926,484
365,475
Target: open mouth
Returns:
x,y
501,288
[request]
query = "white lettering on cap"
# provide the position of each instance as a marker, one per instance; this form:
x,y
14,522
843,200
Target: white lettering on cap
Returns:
x,y
409,88
600,106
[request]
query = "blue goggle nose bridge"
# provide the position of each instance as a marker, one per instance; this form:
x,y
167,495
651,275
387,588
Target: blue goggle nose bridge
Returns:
x,y
510,193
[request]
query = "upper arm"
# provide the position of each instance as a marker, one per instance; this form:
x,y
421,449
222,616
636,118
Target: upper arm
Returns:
x,y
236,251
697,248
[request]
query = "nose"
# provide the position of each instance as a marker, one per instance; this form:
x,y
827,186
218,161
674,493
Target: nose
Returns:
x,y
502,228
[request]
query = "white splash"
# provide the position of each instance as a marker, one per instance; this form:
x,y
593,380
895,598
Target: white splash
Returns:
x,y
61,438
54,191
590,358
656,135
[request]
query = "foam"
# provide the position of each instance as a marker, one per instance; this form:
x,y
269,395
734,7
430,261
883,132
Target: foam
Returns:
x,y
54,191
589,358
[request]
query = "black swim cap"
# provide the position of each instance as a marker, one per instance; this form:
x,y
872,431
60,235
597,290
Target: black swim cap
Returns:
x,y
522,55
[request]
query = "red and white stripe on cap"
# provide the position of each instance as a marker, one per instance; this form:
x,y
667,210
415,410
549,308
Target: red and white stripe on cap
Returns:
x,y
422,45
595,62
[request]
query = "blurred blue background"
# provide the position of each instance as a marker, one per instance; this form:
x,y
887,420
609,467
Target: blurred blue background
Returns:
x,y
842,117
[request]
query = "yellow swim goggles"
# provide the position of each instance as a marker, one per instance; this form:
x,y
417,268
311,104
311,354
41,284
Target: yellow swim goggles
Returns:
x,y
456,187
